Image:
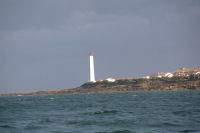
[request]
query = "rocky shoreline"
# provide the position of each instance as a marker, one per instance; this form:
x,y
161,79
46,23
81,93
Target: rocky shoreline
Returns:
x,y
121,86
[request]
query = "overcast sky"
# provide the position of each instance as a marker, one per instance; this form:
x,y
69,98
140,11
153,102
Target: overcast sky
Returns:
x,y
45,44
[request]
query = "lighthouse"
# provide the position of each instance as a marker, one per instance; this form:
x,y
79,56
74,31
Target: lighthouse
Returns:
x,y
91,68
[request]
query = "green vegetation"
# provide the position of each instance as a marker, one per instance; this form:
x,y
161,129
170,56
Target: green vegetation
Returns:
x,y
140,81
176,79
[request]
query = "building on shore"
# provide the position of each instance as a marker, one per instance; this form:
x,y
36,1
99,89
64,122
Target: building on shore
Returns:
x,y
162,74
146,77
187,71
110,80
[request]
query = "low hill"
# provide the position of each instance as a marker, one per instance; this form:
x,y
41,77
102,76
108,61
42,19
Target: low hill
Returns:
x,y
140,84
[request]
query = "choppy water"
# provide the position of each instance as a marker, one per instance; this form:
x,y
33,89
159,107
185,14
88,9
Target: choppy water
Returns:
x,y
124,112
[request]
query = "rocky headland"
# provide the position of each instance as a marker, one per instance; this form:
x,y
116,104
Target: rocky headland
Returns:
x,y
129,84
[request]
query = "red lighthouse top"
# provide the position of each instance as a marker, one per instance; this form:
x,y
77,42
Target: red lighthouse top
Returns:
x,y
91,54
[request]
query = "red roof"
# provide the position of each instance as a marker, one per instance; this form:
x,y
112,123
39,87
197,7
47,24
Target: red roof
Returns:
x,y
91,54
188,70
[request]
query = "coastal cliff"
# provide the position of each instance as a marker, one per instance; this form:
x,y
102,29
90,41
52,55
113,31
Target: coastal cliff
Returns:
x,y
140,84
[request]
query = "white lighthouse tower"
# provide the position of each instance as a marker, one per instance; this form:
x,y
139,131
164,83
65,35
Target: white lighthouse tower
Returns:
x,y
91,68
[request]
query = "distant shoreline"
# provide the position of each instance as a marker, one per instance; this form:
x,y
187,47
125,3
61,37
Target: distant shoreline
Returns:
x,y
182,79
125,85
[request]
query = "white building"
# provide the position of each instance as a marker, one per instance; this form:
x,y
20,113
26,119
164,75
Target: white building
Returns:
x,y
162,74
110,80
146,77
197,73
169,75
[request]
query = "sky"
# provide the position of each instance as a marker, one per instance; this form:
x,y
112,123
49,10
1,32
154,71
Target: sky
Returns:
x,y
45,44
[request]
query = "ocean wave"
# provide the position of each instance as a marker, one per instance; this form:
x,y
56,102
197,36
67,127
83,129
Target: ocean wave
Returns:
x,y
117,131
45,120
7,126
165,124
181,112
82,122
102,112
2,107
189,131
32,127
121,131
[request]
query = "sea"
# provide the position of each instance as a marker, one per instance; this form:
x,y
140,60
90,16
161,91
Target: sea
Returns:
x,y
119,112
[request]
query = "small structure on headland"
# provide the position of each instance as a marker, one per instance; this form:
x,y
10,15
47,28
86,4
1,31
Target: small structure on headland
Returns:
x,y
146,77
110,80
162,74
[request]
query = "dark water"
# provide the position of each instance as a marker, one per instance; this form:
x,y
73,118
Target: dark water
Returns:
x,y
126,112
